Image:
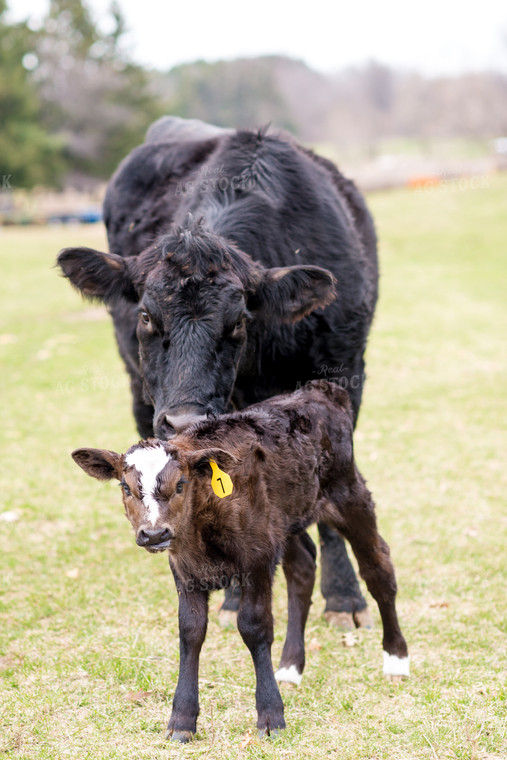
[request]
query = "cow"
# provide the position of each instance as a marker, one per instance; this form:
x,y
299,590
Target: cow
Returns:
x,y
227,498
242,265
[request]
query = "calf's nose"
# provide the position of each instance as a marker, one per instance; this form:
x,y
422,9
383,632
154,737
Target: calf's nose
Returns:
x,y
147,537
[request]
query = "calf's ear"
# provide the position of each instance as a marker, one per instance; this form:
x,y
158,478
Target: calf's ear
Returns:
x,y
105,276
200,460
290,293
99,463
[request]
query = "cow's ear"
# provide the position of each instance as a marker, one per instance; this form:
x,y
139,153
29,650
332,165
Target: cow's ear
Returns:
x,y
290,293
99,463
105,276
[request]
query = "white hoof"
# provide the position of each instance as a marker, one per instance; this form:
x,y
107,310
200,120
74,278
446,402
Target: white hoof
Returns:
x,y
289,675
396,666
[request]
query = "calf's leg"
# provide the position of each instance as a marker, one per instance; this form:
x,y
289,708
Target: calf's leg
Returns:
x,y
193,620
299,568
356,521
255,624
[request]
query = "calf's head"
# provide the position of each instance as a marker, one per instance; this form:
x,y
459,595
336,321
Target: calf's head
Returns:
x,y
157,482
199,299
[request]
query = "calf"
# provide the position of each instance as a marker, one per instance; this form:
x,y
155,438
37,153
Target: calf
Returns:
x,y
228,498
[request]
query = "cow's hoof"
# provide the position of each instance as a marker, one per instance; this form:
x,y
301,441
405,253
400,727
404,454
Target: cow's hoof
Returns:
x,y
344,621
179,736
349,621
363,619
228,618
271,733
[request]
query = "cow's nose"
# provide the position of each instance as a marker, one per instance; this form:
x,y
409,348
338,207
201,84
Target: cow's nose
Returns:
x,y
150,537
168,425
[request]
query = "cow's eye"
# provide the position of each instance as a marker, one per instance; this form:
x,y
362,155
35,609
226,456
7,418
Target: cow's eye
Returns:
x,y
145,318
238,327
126,488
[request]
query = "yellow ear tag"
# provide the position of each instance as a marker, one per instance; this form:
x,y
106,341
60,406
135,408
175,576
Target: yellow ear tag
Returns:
x,y
220,481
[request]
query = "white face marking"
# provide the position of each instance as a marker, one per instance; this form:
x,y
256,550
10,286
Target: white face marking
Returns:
x,y
149,462
396,666
289,675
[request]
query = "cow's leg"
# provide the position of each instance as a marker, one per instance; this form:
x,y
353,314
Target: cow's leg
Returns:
x,y
255,624
193,620
228,613
345,605
299,569
358,524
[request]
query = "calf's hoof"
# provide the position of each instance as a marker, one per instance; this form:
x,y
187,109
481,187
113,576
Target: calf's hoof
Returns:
x,y
228,618
288,674
396,668
179,736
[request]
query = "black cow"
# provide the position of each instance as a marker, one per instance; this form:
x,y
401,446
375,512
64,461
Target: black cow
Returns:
x,y
228,250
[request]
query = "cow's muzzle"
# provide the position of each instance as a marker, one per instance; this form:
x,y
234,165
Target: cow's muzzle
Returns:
x,y
167,424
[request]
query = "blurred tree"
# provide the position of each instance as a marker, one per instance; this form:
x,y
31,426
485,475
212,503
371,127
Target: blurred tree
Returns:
x,y
242,93
95,99
73,19
28,154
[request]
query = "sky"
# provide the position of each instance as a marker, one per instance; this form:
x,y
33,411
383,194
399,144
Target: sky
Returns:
x,y
434,37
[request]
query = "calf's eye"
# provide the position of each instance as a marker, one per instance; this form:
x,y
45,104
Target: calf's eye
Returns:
x,y
179,486
145,318
126,488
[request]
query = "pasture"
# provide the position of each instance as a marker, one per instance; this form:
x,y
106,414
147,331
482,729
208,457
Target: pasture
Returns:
x,y
88,623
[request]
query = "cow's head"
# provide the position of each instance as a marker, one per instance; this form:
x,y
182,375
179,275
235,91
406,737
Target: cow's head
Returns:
x,y
157,481
198,297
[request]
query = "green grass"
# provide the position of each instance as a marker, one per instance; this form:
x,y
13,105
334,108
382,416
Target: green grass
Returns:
x,y
87,620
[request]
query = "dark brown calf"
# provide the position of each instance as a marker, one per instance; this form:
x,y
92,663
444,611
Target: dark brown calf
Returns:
x,y
227,498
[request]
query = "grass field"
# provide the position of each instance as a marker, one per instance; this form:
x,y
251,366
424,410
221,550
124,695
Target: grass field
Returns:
x,y
88,623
